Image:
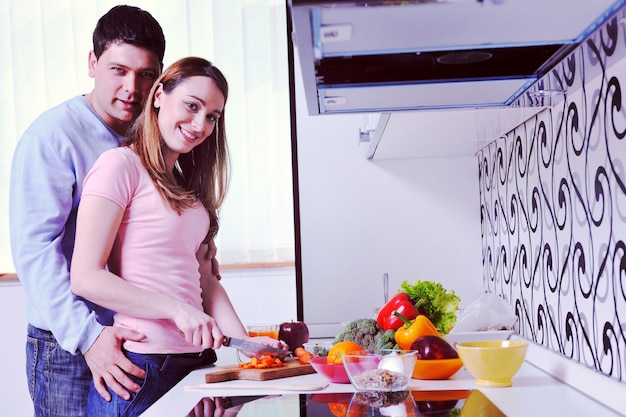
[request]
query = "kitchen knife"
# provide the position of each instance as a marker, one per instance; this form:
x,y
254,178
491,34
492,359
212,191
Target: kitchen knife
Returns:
x,y
257,348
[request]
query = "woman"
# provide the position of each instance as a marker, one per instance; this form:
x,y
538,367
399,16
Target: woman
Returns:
x,y
148,210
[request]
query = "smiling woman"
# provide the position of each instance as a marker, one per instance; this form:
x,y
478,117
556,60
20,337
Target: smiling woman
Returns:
x,y
57,37
188,113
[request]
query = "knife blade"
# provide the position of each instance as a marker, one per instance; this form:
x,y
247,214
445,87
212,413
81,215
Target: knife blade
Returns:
x,y
257,348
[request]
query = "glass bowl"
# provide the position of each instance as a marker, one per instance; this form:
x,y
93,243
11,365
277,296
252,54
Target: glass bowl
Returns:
x,y
382,404
387,371
270,330
335,373
318,348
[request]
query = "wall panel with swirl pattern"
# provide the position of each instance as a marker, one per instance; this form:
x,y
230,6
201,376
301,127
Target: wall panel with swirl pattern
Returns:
x,y
553,207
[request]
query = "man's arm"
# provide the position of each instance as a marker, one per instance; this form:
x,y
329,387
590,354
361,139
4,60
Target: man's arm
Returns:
x,y
41,234
40,204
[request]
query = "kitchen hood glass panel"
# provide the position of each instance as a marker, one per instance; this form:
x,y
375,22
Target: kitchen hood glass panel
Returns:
x,y
412,55
480,64
419,96
381,27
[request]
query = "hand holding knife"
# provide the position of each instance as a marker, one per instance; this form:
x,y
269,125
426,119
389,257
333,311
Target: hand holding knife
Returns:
x,y
254,348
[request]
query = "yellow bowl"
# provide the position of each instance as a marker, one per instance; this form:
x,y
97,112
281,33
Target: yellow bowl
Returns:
x,y
493,362
436,368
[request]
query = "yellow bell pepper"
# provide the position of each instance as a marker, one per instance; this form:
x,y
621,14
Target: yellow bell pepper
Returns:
x,y
413,330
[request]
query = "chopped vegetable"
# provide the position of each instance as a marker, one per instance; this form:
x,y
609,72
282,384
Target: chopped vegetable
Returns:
x,y
364,332
438,304
401,302
413,330
264,362
302,355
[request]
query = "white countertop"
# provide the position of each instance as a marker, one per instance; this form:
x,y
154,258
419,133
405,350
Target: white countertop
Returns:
x,y
534,393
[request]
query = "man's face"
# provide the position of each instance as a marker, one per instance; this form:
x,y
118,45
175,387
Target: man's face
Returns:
x,y
123,77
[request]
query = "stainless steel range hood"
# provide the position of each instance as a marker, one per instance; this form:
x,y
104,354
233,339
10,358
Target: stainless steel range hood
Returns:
x,y
371,56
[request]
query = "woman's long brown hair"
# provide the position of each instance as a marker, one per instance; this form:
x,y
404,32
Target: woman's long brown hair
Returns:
x,y
201,175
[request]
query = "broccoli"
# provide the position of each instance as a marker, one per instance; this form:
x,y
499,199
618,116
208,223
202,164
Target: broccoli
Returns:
x,y
364,332
387,340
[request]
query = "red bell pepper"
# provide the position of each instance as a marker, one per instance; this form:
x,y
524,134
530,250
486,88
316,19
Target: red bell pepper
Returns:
x,y
402,304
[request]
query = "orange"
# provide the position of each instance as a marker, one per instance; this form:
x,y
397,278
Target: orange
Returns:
x,y
342,348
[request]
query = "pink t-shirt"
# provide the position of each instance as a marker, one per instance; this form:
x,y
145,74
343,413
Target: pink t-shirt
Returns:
x,y
154,248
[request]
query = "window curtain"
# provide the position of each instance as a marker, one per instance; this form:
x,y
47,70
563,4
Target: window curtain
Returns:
x,y
44,46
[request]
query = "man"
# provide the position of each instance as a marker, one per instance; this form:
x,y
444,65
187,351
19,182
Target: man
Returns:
x,y
67,336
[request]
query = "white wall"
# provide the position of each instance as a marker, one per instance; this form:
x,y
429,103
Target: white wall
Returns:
x,y
262,296
416,219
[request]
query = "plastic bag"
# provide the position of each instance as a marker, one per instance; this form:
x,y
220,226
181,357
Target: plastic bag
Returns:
x,y
488,312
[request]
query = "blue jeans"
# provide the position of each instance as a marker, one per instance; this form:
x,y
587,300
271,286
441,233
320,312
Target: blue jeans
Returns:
x,y
58,381
162,373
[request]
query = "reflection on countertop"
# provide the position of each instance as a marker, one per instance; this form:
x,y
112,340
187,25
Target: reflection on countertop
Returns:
x,y
471,403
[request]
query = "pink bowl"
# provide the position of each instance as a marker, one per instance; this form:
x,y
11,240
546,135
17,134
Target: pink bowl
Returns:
x,y
334,373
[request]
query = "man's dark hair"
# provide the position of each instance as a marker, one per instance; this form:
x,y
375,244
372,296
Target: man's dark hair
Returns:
x,y
130,25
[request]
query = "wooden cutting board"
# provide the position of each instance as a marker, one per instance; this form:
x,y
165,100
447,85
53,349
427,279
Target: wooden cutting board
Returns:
x,y
292,367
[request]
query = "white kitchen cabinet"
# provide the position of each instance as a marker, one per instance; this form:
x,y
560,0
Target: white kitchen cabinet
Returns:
x,y
14,395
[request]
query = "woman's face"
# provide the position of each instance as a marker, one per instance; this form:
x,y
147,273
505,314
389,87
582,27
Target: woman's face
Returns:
x,y
187,115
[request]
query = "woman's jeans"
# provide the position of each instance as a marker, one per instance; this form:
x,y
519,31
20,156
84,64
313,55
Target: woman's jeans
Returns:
x,y
162,373
58,381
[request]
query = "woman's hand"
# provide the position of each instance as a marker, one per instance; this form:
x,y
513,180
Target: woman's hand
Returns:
x,y
197,327
267,341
